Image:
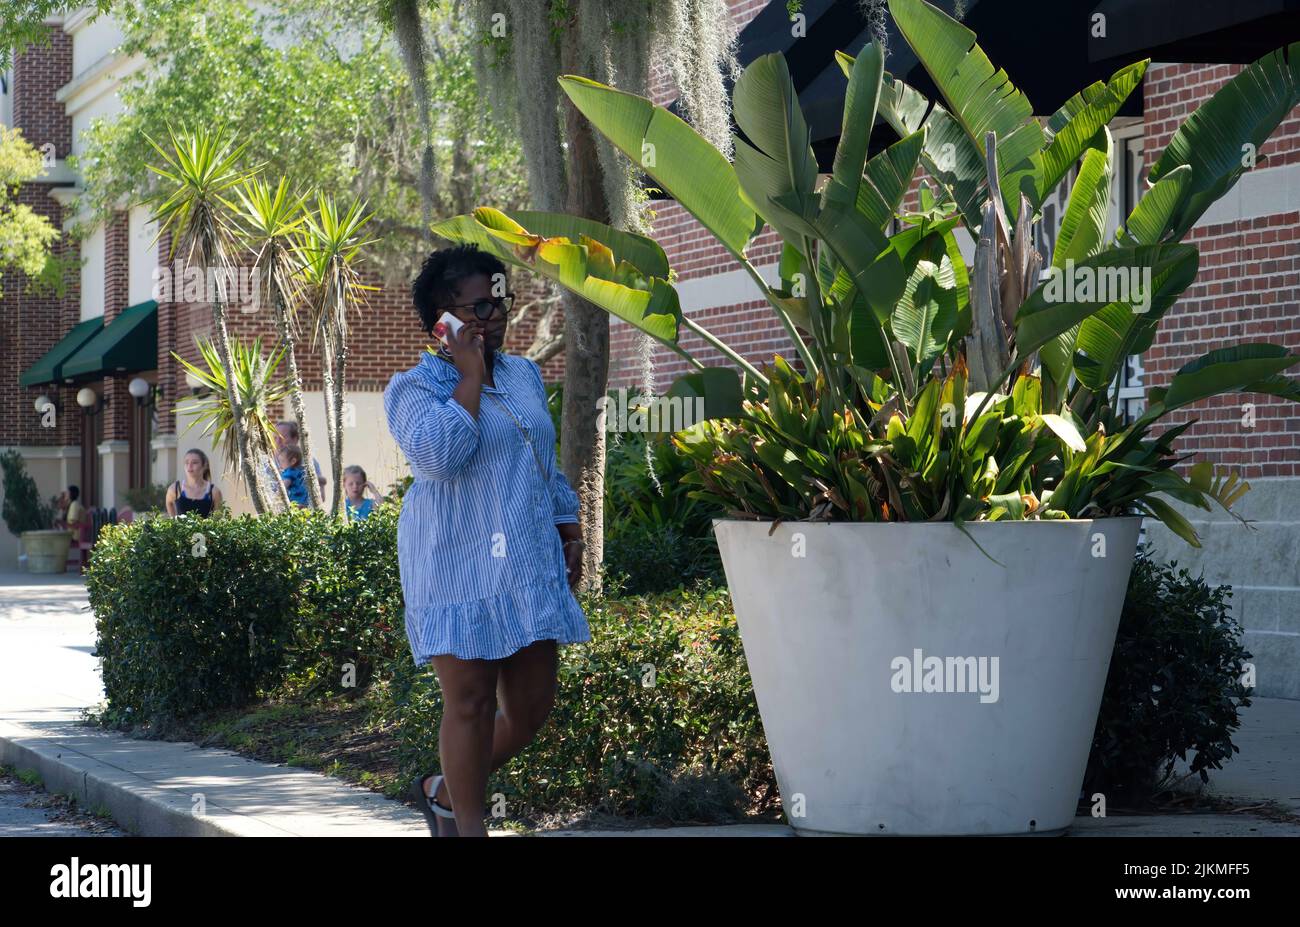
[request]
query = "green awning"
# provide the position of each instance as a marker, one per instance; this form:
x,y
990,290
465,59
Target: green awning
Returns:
x,y
128,343
49,369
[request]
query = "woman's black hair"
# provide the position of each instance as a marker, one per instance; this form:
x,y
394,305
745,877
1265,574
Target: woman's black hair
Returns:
x,y
74,493
436,284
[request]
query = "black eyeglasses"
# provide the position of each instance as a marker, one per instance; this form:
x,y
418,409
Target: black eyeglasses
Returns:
x,y
484,308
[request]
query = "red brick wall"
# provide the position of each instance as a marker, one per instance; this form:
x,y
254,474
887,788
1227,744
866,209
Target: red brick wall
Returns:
x,y
116,266
1248,290
38,72
29,324
121,406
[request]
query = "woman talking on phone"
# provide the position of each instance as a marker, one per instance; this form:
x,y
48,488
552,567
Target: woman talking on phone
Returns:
x,y
488,542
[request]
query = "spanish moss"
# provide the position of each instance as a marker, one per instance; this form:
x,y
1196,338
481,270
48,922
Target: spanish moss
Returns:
x,y
697,44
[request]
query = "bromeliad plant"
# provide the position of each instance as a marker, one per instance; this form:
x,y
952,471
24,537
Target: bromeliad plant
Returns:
x,y
931,389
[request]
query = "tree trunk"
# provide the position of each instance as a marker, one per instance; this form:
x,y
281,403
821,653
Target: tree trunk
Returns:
x,y
296,400
586,342
341,358
408,26
331,410
260,503
281,493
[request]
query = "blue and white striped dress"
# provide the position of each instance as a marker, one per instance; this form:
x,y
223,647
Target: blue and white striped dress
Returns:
x,y
482,565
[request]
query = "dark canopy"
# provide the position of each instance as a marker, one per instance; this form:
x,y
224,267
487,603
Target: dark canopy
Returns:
x,y
1047,48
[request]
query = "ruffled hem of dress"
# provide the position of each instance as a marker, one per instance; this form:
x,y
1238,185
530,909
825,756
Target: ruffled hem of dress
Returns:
x,y
498,626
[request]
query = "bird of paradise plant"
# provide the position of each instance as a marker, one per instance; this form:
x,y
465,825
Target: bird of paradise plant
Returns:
x,y
932,388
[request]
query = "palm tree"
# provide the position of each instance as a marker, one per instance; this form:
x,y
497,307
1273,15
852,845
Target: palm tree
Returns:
x,y
243,410
327,249
270,217
198,171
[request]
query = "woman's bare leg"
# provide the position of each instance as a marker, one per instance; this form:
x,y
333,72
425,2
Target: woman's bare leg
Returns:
x,y
526,693
525,689
466,735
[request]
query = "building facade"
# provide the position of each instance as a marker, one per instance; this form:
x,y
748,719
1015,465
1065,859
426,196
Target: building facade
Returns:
x,y
125,312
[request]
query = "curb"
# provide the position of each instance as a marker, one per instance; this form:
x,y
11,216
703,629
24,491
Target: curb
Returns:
x,y
147,809
143,809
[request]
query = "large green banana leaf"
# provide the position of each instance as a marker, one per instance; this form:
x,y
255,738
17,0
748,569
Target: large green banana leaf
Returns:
x,y
580,262
981,98
889,177
719,387
776,166
1048,311
1082,228
1084,222
1074,125
1245,367
641,251
859,247
1221,138
951,159
1150,217
688,168
926,313
860,102
1118,330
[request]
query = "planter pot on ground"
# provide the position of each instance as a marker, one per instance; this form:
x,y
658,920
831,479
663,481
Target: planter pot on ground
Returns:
x,y
842,625
47,551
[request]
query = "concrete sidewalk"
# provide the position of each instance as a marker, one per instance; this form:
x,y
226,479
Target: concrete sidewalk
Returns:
x,y
158,788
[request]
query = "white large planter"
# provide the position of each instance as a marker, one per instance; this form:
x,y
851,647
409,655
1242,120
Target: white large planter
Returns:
x,y
835,619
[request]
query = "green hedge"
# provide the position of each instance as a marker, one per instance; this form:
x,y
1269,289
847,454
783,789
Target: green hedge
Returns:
x,y
1174,686
173,617
657,538
191,615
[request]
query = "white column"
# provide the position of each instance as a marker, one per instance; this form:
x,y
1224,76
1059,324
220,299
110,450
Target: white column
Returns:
x,y
164,459
115,473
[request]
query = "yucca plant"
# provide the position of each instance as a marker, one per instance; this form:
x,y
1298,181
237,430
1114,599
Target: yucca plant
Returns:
x,y
930,389
225,412
327,248
199,170
269,218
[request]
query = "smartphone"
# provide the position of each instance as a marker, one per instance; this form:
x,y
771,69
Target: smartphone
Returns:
x,y
446,326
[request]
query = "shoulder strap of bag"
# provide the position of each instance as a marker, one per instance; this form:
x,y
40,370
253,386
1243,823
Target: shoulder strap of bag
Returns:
x,y
536,457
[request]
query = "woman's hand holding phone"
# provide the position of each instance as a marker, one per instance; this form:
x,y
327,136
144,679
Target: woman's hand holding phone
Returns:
x,y
465,344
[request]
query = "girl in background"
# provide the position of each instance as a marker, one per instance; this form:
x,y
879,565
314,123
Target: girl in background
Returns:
x,y
355,503
195,492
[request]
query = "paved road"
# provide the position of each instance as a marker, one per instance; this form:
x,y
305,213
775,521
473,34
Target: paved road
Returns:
x,y
27,810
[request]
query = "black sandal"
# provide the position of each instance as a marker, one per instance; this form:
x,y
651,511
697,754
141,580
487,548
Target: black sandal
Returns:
x,y
441,821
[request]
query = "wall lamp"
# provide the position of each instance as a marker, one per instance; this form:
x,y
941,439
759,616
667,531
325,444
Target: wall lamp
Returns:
x,y
144,392
90,401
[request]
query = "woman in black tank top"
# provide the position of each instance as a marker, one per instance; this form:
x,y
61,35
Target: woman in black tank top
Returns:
x,y
197,474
